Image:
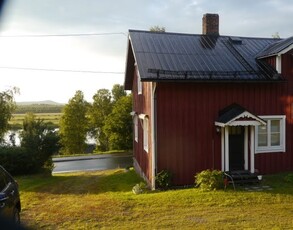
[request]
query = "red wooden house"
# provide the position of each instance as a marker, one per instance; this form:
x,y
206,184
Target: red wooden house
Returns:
x,y
210,102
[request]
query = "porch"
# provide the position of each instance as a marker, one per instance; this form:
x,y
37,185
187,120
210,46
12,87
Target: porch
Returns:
x,y
237,128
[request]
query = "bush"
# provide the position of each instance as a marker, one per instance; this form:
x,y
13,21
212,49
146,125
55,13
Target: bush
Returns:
x,y
139,188
289,178
163,179
209,180
20,161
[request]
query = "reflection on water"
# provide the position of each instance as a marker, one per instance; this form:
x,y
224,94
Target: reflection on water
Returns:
x,y
12,137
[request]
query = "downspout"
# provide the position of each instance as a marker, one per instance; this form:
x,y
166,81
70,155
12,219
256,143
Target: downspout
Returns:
x,y
154,132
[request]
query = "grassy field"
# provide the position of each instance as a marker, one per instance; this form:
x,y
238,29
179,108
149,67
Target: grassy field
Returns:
x,y
17,119
103,199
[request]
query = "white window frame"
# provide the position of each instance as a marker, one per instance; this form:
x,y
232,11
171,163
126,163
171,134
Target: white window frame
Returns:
x,y
139,83
135,122
146,134
269,148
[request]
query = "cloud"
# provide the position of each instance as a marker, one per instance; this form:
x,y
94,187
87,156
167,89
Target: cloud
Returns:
x,y
257,18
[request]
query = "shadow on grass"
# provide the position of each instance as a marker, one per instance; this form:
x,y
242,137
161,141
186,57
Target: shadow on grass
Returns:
x,y
280,183
118,180
121,180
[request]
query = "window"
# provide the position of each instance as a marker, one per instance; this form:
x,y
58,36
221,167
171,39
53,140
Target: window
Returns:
x,y
139,84
271,137
146,134
135,121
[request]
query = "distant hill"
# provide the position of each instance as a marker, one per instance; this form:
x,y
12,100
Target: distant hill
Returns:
x,y
38,107
46,102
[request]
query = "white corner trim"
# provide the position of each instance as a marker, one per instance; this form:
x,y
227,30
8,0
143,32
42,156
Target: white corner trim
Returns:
x,y
279,63
153,135
286,50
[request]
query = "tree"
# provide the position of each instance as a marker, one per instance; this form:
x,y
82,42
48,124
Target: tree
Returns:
x,y
159,29
100,109
74,125
118,125
40,142
7,106
118,92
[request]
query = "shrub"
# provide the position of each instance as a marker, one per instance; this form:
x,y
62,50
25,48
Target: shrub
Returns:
x,y
289,178
209,180
139,188
163,179
16,160
21,161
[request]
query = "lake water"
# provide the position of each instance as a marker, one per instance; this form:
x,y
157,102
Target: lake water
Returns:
x,y
16,137
16,133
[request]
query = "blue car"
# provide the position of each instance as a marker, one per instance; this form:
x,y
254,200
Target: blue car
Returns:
x,y
9,197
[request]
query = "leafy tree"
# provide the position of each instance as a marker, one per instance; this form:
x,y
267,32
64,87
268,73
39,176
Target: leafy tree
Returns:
x,y
118,92
100,109
7,106
39,141
74,125
33,129
159,29
118,125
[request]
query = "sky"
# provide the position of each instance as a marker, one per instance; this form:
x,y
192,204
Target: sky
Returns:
x,y
49,49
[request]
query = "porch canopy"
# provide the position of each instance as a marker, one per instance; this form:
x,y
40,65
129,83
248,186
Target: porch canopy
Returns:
x,y
236,115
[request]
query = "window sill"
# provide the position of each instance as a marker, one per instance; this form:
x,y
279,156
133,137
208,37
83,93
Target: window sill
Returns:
x,y
270,150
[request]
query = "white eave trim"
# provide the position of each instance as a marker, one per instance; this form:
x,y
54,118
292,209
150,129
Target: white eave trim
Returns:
x,y
278,54
235,122
290,47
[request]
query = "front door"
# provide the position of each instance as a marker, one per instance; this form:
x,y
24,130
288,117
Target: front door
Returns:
x,y
236,148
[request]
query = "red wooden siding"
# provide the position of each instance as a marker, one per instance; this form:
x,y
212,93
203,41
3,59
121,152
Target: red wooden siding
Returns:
x,y
141,105
271,61
287,64
187,141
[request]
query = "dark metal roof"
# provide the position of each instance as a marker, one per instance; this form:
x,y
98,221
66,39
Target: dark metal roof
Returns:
x,y
230,112
186,57
233,111
276,47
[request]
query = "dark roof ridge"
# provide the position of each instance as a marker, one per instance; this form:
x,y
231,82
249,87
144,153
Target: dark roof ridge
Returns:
x,y
189,34
276,47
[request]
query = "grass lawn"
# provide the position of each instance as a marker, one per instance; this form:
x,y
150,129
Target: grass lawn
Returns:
x,y
17,119
103,199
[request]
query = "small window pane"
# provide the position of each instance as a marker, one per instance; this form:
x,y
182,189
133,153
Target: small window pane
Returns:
x,y
275,139
275,133
262,136
145,134
136,128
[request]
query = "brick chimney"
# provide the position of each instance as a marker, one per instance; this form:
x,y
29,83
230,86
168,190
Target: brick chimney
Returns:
x,y
210,24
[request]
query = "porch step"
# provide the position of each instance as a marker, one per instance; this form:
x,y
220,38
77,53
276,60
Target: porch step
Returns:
x,y
241,177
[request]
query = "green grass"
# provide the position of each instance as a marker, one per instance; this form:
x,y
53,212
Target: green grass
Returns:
x,y
103,199
17,119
